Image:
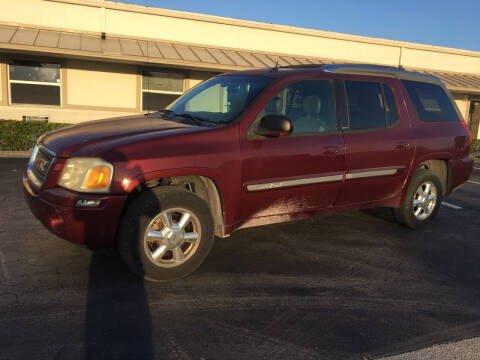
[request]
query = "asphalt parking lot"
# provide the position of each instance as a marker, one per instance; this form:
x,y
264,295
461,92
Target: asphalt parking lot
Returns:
x,y
343,286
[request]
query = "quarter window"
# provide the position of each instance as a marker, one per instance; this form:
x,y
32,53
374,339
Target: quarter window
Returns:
x,y
34,83
431,101
159,89
309,104
366,108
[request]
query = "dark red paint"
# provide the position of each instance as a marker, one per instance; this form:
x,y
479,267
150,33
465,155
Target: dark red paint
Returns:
x,y
145,148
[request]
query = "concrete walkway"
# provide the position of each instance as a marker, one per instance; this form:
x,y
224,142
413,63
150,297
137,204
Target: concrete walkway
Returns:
x,y
15,154
461,350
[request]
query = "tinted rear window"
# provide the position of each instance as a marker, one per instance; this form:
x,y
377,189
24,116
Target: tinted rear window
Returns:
x,y
431,102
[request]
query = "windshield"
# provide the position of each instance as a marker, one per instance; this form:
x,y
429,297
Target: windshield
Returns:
x,y
221,98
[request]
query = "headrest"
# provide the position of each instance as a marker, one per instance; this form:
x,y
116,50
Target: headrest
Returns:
x,y
312,104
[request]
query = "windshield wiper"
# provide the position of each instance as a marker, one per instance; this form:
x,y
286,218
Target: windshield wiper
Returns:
x,y
197,120
162,112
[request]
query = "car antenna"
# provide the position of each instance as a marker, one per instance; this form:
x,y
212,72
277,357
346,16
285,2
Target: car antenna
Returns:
x,y
275,69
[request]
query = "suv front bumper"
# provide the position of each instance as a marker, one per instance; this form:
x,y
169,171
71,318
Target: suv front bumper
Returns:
x,y
55,208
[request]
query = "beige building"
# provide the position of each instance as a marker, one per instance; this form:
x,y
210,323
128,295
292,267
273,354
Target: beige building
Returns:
x,y
77,60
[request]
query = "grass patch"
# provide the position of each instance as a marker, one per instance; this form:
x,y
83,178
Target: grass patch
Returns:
x,y
22,135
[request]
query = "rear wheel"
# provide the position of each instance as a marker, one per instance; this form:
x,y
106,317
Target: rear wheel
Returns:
x,y
422,202
165,233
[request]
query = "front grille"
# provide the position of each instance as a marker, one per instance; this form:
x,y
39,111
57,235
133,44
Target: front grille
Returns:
x,y
39,165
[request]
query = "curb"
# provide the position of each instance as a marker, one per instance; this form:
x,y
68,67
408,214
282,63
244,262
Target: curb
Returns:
x,y
15,154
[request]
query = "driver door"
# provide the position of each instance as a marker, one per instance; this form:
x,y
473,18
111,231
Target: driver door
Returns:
x,y
288,175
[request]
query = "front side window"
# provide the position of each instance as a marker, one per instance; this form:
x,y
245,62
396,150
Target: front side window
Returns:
x,y
431,102
35,83
159,89
309,104
221,98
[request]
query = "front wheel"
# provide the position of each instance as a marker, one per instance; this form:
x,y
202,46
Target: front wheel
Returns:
x,y
423,200
165,233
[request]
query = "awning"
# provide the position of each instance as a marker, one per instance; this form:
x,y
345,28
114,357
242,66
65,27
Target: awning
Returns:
x,y
75,44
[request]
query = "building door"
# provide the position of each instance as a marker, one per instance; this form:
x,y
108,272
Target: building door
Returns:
x,y
473,124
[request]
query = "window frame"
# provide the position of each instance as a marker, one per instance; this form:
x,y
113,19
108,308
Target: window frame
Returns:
x,y
386,104
166,92
251,135
27,82
346,128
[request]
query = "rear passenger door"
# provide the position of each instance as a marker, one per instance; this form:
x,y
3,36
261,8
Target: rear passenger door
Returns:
x,y
378,149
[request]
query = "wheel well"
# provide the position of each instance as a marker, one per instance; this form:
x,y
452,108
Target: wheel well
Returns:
x,y
439,168
202,186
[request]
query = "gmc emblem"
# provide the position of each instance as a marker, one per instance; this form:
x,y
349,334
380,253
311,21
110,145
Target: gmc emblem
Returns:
x,y
41,164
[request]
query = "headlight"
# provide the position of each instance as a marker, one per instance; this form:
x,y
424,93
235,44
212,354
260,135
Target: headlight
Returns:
x,y
87,175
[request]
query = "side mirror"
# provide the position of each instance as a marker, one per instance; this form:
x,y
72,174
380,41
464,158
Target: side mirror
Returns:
x,y
274,126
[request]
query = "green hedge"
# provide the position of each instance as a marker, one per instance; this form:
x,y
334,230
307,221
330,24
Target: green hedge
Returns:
x,y
475,146
21,135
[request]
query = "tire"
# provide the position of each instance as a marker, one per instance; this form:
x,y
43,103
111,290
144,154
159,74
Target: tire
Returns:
x,y
150,241
415,216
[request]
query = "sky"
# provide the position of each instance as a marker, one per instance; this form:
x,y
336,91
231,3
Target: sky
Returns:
x,y
443,22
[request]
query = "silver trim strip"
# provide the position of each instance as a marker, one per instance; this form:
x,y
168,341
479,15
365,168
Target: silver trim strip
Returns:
x,y
372,173
321,179
281,184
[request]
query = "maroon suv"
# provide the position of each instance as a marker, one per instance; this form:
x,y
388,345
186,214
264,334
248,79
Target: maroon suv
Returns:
x,y
250,148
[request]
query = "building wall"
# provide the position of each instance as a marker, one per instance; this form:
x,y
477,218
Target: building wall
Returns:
x,y
55,114
90,90
123,19
52,14
463,104
196,77
227,35
94,89
3,74
102,85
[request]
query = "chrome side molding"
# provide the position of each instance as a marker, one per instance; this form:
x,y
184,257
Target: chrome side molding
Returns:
x,y
321,179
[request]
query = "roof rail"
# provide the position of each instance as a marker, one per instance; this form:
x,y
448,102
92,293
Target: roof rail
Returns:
x,y
301,66
375,69
366,69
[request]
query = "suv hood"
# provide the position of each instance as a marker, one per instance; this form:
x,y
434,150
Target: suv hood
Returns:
x,y
63,142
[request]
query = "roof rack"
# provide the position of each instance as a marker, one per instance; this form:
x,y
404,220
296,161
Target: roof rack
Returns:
x,y
366,69
369,69
300,66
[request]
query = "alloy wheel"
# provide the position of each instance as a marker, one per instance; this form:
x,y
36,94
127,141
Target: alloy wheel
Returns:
x,y
172,237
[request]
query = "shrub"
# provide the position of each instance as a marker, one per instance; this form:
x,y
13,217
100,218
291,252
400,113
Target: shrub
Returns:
x,y
21,135
475,146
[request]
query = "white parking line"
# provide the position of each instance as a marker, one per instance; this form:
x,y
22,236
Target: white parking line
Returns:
x,y
473,182
451,205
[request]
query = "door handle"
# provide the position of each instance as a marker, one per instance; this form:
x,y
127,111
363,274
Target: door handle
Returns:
x,y
402,146
330,150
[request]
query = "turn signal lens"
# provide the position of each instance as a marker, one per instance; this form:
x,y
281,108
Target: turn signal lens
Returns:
x,y
98,178
465,126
